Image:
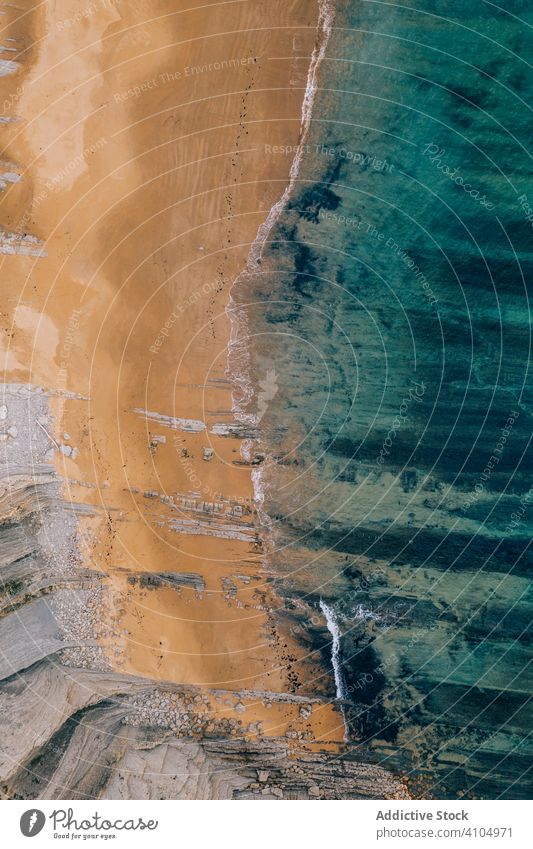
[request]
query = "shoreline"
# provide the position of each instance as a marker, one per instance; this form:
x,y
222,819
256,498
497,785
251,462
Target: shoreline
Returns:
x,y
150,459
237,319
240,371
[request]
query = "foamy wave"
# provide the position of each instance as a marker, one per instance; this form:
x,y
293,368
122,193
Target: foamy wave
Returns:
x,y
365,613
338,673
325,24
238,348
259,483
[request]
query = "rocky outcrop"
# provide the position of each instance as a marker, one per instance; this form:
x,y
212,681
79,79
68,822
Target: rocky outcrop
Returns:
x,y
71,727
82,746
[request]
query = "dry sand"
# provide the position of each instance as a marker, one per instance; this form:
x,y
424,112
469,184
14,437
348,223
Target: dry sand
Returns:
x,y
141,146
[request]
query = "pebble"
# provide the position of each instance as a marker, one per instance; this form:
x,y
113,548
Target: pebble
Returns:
x,y
3,413
13,432
66,450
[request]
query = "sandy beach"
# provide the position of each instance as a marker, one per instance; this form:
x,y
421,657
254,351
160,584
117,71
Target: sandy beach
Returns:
x,y
142,144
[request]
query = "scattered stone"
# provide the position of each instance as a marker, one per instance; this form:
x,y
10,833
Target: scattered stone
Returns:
x,y
208,453
314,790
3,413
66,450
262,775
13,432
66,437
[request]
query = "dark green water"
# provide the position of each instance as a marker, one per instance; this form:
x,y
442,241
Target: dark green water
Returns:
x,y
391,311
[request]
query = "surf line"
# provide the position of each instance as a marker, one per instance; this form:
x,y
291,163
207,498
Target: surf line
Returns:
x,y
338,674
238,360
326,15
238,368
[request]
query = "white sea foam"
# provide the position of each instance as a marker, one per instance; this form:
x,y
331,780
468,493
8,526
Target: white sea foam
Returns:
x,y
238,347
260,485
365,613
335,631
338,674
325,23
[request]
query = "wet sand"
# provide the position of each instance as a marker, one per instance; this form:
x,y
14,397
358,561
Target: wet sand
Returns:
x,y
142,144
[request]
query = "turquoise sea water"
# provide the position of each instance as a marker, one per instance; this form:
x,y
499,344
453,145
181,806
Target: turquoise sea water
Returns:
x,y
390,321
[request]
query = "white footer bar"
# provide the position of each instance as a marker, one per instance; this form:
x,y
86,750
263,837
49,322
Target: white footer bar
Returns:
x,y
268,824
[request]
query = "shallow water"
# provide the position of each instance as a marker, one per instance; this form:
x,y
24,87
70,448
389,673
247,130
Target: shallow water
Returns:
x,y
389,331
